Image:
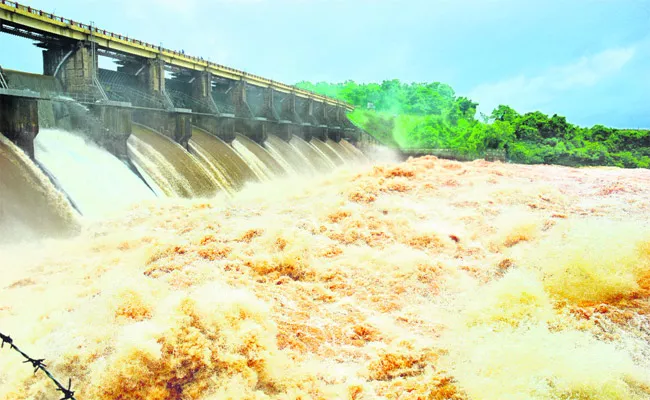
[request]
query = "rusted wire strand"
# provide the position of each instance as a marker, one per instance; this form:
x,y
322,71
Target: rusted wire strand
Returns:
x,y
39,364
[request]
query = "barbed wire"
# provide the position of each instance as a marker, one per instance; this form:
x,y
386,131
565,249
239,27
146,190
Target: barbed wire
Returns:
x,y
39,364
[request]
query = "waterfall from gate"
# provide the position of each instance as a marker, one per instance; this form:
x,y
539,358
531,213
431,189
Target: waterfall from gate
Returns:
x,y
30,205
168,167
258,158
222,160
96,181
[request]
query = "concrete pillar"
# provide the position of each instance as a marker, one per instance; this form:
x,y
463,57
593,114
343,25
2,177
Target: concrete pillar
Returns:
x,y
19,121
268,110
290,122
153,77
78,70
238,98
318,112
285,130
307,113
334,122
226,129
183,131
256,129
246,123
52,57
117,123
201,90
335,134
349,131
275,124
289,111
148,87
342,117
175,125
222,127
73,66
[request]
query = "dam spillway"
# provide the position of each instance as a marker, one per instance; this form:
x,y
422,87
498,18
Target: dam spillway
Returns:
x,y
258,158
80,140
29,203
71,177
91,160
170,168
96,180
222,160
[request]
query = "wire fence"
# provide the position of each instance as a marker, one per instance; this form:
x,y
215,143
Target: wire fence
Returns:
x,y
39,365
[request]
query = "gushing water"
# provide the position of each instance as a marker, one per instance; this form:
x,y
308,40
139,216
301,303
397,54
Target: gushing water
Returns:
x,y
327,151
30,206
353,151
291,159
95,180
222,160
258,158
311,154
428,279
340,151
167,167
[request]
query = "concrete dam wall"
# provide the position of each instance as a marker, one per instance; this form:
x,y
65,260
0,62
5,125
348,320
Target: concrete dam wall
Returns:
x,y
63,161
79,140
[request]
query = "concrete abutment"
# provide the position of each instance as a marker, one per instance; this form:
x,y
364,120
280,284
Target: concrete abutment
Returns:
x,y
19,121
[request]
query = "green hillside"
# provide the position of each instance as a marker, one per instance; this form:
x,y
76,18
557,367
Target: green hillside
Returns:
x,y
430,115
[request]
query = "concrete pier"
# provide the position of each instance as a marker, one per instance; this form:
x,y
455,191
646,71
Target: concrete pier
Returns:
x,y
222,126
117,122
73,65
164,89
175,125
19,119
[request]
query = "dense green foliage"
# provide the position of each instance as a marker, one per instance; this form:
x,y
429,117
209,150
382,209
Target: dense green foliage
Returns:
x,y
430,115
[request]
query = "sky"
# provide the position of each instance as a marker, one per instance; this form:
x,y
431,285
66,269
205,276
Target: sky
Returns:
x,y
588,60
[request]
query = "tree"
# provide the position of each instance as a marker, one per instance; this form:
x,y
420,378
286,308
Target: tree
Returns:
x,y
504,113
557,127
498,135
431,115
532,127
600,133
467,107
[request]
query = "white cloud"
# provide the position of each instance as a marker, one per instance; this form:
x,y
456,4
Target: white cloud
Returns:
x,y
530,93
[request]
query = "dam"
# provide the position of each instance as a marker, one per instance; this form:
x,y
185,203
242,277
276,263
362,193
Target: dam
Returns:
x,y
83,140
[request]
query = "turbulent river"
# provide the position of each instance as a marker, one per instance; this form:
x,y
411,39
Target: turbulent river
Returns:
x,y
427,279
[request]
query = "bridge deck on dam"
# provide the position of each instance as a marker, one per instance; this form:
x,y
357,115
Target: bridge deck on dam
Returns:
x,y
164,90
43,26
